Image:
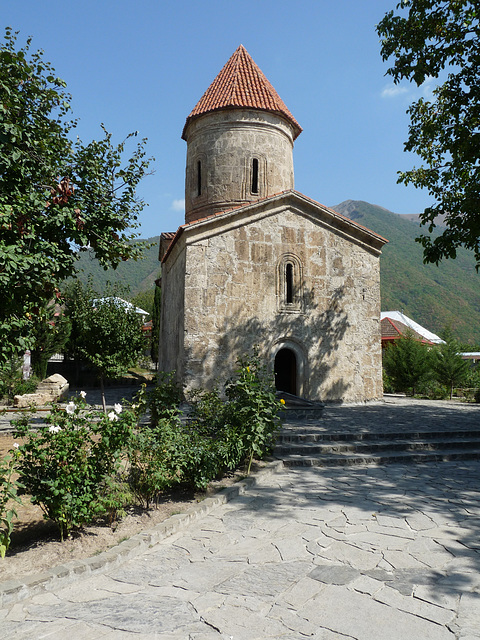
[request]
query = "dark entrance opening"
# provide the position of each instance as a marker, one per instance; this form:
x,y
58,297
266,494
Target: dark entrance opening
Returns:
x,y
286,371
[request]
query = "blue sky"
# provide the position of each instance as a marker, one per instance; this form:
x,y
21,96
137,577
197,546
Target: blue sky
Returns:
x,y
142,66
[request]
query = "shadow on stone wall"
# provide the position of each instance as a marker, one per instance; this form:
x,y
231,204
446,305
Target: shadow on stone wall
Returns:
x,y
318,334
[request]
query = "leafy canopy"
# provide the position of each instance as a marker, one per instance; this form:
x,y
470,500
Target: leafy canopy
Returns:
x,y
106,332
449,367
57,197
427,39
407,363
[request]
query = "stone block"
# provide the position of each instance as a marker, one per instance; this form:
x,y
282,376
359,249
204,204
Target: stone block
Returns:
x,y
53,388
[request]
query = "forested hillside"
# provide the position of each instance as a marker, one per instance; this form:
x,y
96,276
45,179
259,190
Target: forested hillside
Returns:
x,y
136,276
433,296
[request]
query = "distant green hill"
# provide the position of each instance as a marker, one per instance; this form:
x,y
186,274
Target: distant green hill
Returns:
x,y
136,276
433,296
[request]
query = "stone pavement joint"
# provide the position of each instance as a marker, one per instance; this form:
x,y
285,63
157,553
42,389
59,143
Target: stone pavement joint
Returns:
x,y
358,553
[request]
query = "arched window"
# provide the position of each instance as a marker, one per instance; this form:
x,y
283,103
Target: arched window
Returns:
x,y
255,175
290,283
199,178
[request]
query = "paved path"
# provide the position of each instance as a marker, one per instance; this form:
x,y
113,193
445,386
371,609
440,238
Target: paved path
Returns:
x,y
359,553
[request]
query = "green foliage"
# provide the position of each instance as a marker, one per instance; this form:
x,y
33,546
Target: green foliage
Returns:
x,y
156,457
85,464
112,339
217,435
56,198
407,364
105,333
253,407
12,382
424,40
245,425
64,465
51,330
167,451
413,367
144,300
8,494
115,495
448,366
434,296
164,399
136,275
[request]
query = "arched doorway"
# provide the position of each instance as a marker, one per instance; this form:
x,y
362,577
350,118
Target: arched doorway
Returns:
x,y
286,371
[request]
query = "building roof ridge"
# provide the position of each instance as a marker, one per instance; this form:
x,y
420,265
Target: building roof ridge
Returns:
x,y
286,192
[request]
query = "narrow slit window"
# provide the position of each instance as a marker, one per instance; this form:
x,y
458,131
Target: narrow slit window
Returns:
x,y
255,175
199,178
289,283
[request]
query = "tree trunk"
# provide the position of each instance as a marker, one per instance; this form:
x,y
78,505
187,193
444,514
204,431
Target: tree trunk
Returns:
x,y
102,387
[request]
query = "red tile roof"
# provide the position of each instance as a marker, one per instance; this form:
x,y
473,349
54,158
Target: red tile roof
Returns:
x,y
393,330
241,84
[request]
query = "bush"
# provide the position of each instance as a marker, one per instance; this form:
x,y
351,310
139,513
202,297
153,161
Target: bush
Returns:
x,y
216,436
85,463
8,494
407,363
253,408
64,464
12,383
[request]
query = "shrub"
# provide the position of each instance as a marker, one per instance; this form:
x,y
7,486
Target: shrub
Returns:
x,y
153,456
217,435
407,364
8,494
11,380
253,408
63,465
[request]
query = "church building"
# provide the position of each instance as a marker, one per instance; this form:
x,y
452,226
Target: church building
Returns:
x,y
258,264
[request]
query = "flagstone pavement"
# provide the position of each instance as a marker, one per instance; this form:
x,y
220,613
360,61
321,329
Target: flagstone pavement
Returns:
x,y
361,553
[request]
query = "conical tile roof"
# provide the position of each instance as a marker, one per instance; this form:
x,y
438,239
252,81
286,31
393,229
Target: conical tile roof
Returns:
x,y
241,84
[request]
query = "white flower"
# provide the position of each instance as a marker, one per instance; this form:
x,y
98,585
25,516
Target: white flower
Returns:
x,y
54,428
83,394
112,415
70,408
117,407
134,406
15,445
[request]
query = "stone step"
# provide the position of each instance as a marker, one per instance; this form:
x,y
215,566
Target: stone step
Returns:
x,y
316,435
387,457
311,448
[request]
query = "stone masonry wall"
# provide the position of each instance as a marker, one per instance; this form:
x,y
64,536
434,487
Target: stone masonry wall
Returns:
x,y
233,300
171,342
225,143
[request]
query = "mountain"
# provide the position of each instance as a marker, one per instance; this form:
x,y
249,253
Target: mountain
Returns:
x,y
433,296
135,276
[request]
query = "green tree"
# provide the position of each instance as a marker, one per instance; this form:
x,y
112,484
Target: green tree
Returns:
x,y
407,363
448,366
144,300
50,333
57,197
108,334
426,38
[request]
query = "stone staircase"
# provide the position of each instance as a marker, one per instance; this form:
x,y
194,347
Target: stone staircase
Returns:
x,y
309,445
